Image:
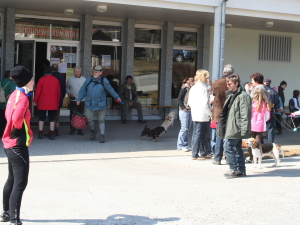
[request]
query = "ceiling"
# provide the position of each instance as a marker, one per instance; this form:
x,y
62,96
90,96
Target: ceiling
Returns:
x,y
148,13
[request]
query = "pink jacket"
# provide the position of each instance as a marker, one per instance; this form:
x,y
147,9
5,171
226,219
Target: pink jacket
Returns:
x,y
259,118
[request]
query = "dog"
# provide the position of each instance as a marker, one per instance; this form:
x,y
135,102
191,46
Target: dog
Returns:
x,y
169,120
260,150
154,133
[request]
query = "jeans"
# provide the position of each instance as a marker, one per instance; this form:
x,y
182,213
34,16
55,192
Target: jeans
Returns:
x,y
79,108
218,154
18,169
234,154
213,140
201,139
183,136
270,130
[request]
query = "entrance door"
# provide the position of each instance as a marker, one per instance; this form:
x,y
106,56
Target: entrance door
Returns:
x,y
25,56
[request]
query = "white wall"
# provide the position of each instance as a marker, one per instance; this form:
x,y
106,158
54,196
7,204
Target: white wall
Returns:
x,y
241,50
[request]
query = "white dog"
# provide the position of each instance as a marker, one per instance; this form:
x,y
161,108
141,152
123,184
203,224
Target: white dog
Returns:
x,y
169,120
260,150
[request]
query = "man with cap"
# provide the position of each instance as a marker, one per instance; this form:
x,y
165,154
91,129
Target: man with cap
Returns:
x,y
94,91
16,140
274,100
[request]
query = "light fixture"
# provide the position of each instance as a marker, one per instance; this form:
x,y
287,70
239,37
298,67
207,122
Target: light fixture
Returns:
x,y
228,25
269,24
101,8
69,12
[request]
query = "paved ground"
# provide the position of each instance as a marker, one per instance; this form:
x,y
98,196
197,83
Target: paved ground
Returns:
x,y
130,181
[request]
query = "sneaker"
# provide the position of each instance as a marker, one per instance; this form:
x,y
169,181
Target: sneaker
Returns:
x,y
231,174
240,174
185,149
5,216
102,138
216,162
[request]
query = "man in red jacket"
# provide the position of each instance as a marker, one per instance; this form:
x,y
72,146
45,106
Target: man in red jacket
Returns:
x,y
46,98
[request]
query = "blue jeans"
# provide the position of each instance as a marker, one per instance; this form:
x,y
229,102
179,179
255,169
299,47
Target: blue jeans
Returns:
x,y
213,140
183,136
218,154
270,130
234,154
201,139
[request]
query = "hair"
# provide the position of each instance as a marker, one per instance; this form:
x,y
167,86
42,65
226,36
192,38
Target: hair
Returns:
x,y
260,97
47,70
283,83
7,74
77,68
257,77
228,69
296,93
185,80
234,78
54,67
201,75
128,77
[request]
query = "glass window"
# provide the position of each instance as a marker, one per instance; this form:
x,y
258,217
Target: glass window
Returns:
x,y
146,74
185,38
47,29
147,35
184,65
106,33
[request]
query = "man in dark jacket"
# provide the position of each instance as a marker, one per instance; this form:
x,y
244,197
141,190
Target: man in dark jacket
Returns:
x,y
219,88
281,88
235,125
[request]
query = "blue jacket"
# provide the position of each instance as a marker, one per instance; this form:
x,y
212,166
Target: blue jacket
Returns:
x,y
94,93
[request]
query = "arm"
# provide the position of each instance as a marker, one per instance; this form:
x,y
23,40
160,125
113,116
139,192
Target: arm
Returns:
x,y
83,91
21,106
245,113
68,90
181,98
109,88
37,92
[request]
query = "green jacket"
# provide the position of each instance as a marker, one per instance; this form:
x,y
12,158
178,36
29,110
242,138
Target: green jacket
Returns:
x,y
235,118
10,87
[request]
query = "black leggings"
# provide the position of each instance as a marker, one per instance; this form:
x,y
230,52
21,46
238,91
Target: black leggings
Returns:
x,y
18,169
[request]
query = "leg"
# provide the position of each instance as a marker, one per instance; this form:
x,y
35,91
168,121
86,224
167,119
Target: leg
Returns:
x,y
230,149
278,124
72,109
259,161
138,106
205,139
124,111
8,185
213,140
42,116
182,141
270,130
51,115
90,119
195,140
80,108
101,120
219,149
240,157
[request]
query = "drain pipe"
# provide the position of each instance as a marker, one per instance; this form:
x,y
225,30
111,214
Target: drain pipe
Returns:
x,y
223,14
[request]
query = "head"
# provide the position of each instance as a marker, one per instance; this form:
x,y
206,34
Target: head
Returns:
x,y
46,62
267,81
252,143
283,84
260,96
201,76
296,93
129,80
23,78
54,68
228,69
188,81
97,71
77,71
256,79
48,70
7,74
233,82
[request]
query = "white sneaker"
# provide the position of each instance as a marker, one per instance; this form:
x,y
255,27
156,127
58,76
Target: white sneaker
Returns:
x,y
185,149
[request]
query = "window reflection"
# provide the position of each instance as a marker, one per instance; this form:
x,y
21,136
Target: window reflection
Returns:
x,y
185,38
106,33
146,74
147,35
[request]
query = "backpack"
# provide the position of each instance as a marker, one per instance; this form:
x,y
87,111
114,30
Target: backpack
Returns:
x,y
2,94
101,82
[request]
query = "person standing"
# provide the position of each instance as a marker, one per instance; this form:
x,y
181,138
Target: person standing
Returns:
x,y
235,125
184,114
8,87
219,88
278,114
46,98
128,95
73,86
93,90
16,139
201,113
281,88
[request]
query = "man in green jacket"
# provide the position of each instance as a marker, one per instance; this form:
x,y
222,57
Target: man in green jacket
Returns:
x,y
235,125
8,86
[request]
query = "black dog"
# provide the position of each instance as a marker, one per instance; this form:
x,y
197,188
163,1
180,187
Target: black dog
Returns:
x,y
154,133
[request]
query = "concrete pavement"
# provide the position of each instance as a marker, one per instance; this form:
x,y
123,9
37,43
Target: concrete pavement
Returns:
x,y
129,181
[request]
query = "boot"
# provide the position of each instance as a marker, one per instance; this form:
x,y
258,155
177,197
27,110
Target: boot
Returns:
x,y
93,134
5,216
102,138
51,135
40,135
279,132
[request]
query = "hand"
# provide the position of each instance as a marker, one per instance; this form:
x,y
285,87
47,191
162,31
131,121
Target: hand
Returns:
x,y
184,110
292,115
14,133
248,87
130,104
35,104
77,103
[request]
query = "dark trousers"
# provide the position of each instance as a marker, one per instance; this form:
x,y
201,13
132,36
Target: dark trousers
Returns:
x,y
201,139
2,122
234,154
18,169
258,136
270,130
219,149
278,122
74,107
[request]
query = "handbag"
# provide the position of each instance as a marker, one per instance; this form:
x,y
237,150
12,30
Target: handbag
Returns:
x,y
78,120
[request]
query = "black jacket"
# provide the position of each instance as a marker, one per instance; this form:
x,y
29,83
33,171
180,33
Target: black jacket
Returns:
x,y
62,84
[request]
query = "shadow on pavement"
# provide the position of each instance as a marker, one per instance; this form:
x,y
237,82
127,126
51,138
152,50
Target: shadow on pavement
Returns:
x,y
278,173
111,220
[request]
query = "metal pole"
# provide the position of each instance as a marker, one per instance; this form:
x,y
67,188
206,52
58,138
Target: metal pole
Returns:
x,y
223,14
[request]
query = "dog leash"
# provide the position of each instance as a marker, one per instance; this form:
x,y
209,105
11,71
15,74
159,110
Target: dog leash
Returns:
x,y
286,125
143,121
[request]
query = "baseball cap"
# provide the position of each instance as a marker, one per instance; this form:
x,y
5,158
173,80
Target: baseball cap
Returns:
x,y
97,69
268,80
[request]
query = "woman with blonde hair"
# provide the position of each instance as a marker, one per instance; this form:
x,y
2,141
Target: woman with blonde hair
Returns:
x,y
201,113
260,115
